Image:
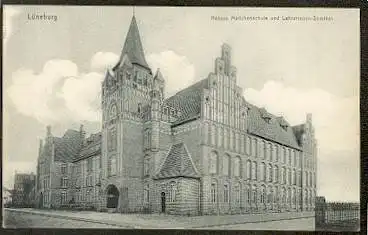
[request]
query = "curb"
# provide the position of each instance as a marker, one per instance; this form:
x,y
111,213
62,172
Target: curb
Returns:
x,y
253,222
71,218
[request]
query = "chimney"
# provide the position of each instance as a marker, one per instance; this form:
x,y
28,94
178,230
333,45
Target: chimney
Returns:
x,y
82,134
48,130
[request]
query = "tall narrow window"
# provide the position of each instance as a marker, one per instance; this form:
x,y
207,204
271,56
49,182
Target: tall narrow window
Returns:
x,y
112,166
254,170
225,164
269,173
254,147
172,192
248,170
237,193
213,163
226,193
213,192
146,166
111,140
63,168
237,166
247,145
254,194
263,171
64,197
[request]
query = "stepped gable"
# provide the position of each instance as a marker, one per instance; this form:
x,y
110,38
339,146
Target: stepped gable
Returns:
x,y
188,101
91,147
68,146
178,163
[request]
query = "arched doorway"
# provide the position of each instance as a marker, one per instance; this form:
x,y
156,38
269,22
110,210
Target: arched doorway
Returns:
x,y
112,196
163,202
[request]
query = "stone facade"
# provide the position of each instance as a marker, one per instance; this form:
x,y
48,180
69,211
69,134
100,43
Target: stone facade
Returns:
x,y
205,150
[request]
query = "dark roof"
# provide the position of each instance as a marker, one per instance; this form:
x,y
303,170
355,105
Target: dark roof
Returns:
x,y
188,101
298,132
177,164
68,146
133,46
91,147
270,129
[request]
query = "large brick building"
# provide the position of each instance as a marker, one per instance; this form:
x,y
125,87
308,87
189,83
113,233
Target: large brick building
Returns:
x,y
204,150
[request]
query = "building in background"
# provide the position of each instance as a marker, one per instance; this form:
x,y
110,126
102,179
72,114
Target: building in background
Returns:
x,y
205,150
7,196
23,189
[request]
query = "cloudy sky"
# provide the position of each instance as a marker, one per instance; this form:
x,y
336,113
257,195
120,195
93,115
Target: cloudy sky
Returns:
x,y
53,71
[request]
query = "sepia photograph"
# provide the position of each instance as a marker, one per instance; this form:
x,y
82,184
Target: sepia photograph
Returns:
x,y
215,118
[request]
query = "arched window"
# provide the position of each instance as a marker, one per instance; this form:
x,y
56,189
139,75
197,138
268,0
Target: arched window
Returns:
x,y
263,194
146,166
213,192
269,173
226,193
213,134
254,170
248,193
284,195
172,192
268,151
237,166
146,193
112,111
111,139
269,194
213,162
275,199
263,171
294,177
276,174
261,145
248,169
254,194
287,176
219,136
225,164
282,175
274,153
139,108
254,147
281,154
289,196
111,168
247,144
237,193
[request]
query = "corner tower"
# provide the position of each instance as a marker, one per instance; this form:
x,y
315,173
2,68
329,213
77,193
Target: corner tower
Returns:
x,y
125,104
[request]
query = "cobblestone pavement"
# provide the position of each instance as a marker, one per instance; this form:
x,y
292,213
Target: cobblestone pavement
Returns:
x,y
159,221
291,225
25,220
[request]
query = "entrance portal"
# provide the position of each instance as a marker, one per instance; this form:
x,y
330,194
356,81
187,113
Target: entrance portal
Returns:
x,y
40,205
112,196
163,202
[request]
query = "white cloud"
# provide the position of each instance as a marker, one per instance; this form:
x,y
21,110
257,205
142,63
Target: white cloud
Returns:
x,y
101,61
9,13
59,93
336,119
176,69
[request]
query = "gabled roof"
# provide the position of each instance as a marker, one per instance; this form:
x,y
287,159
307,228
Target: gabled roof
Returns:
x,y
188,101
178,163
271,129
133,46
68,146
92,147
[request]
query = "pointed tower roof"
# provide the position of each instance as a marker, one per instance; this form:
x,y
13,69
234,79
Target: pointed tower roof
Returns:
x,y
159,76
133,45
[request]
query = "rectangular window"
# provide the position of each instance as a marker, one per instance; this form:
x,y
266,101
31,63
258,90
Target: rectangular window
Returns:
x,y
63,168
64,197
89,164
213,193
226,193
64,182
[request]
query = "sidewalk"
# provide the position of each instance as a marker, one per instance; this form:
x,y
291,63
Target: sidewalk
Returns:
x,y
160,221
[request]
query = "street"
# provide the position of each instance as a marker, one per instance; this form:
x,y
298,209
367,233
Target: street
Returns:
x,y
24,220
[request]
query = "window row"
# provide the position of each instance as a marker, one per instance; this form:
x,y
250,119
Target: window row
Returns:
x,y
267,172
111,166
224,137
262,195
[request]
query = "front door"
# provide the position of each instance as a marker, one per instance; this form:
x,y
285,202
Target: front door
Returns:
x,y
41,201
163,202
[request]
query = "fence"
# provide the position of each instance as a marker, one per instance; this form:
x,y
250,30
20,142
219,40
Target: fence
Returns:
x,y
342,214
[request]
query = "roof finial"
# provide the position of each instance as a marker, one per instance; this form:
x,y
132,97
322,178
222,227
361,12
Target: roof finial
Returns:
x,y
133,10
